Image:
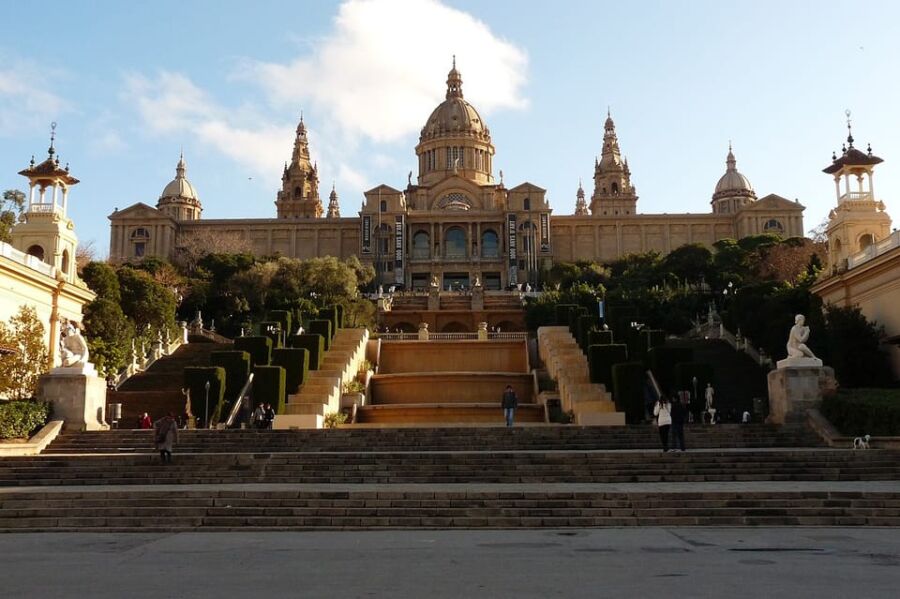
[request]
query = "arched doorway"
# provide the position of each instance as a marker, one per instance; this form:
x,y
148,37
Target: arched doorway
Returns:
x,y
36,251
455,327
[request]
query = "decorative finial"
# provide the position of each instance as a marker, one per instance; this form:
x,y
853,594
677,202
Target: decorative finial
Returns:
x,y
729,145
52,151
869,149
849,129
454,61
32,160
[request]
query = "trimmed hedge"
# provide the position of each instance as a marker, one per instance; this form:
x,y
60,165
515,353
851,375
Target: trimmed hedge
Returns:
x,y
574,315
619,318
268,328
601,359
662,361
857,412
283,317
237,369
323,328
334,314
19,419
628,390
295,362
562,313
195,378
584,325
269,387
314,344
600,338
259,348
651,338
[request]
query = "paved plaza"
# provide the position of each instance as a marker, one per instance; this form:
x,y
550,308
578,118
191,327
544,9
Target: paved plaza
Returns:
x,y
645,562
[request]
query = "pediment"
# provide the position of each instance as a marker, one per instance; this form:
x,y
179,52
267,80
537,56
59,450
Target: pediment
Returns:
x,y
384,189
527,187
774,202
139,211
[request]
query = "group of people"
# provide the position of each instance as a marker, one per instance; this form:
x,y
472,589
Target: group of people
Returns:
x,y
263,417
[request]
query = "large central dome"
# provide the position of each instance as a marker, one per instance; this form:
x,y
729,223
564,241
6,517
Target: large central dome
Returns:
x,y
454,117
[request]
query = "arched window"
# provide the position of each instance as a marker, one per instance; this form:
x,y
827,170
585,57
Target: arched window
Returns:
x,y
383,206
865,241
526,204
490,244
455,243
140,233
615,187
36,251
298,192
773,226
65,261
421,245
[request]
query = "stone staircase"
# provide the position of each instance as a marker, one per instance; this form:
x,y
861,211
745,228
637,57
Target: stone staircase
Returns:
x,y
157,390
535,438
321,393
591,403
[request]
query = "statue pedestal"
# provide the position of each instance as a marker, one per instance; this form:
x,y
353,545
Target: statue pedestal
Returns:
x,y
478,298
434,299
795,388
799,363
78,397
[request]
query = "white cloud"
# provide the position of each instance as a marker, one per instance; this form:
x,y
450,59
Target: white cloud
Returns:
x,y
381,70
25,102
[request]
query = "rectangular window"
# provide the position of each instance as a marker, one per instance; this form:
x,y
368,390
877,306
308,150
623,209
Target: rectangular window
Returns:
x,y
139,249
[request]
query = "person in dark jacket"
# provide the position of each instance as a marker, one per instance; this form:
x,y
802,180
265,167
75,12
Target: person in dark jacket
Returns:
x,y
510,403
679,415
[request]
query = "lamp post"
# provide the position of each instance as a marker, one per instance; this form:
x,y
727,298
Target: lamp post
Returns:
x,y
206,408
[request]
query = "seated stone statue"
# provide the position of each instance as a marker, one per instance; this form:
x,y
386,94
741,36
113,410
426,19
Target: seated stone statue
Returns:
x,y
73,349
796,344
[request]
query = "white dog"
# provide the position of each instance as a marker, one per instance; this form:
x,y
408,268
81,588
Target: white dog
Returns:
x,y
861,442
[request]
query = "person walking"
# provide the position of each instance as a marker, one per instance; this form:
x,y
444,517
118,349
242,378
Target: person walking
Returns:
x,y
510,403
679,412
165,436
270,416
259,417
663,413
146,423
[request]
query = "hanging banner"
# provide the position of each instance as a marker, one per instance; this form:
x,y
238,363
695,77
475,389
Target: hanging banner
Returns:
x,y
545,233
366,234
512,247
399,226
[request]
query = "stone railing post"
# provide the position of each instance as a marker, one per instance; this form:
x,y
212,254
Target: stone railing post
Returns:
x,y
423,331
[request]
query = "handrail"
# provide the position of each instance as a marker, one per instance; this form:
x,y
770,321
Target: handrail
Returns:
x,y
239,401
655,384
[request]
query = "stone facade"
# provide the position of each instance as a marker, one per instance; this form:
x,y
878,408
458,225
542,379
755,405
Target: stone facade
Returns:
x,y
457,221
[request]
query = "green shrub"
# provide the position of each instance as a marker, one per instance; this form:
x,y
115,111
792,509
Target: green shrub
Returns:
x,y
323,328
237,369
335,419
283,317
339,308
21,418
259,348
295,362
314,344
195,378
600,338
628,390
269,387
662,361
574,315
333,314
619,318
601,359
862,411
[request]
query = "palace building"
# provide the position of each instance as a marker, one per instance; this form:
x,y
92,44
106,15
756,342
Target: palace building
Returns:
x,y
457,221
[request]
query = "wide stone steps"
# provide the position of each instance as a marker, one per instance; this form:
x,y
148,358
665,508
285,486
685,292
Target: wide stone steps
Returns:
x,y
220,510
440,413
454,467
532,438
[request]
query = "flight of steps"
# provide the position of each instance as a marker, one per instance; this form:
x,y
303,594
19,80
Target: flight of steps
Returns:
x,y
171,510
157,390
420,414
321,393
566,363
530,438
406,303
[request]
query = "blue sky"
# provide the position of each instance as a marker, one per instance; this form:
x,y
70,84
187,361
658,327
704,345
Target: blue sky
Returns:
x,y
131,84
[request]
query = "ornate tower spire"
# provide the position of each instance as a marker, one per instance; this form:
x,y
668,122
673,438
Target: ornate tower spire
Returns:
x,y
334,209
299,196
580,205
454,82
613,192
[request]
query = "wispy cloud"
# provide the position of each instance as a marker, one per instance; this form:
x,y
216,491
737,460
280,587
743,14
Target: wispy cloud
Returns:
x,y
373,78
378,72
25,100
